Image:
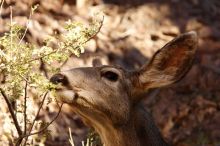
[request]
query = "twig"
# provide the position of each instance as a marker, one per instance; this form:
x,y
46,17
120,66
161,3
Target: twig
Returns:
x,y
1,9
91,37
32,125
44,128
71,138
11,23
25,108
19,141
27,26
11,112
41,57
26,80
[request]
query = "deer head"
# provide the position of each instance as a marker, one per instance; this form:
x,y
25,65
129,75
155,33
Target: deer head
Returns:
x,y
107,97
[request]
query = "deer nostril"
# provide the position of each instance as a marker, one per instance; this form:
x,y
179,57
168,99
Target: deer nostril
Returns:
x,y
59,78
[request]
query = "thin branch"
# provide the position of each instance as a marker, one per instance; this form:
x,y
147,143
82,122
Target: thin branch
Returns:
x,y
11,112
25,108
91,37
27,26
71,138
1,9
44,128
38,112
41,57
11,25
19,141
26,80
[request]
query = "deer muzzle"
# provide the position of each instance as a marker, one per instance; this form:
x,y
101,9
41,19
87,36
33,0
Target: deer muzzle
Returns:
x,y
63,92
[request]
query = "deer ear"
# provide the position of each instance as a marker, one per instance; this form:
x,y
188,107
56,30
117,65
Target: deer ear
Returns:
x,y
170,63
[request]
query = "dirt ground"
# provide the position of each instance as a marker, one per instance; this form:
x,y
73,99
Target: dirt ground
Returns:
x,y
188,112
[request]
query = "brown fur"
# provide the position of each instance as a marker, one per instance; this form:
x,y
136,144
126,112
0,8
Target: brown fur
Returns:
x,y
106,97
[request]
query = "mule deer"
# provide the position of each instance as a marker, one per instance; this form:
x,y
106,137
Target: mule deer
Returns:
x,y
108,98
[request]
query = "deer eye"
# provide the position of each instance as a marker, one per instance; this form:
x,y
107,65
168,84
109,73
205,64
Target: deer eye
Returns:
x,y
111,76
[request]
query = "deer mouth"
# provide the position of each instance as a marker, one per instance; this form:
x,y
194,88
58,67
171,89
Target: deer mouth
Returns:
x,y
63,91
66,96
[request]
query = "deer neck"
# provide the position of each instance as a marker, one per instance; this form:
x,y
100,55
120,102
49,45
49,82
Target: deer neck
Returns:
x,y
115,135
138,131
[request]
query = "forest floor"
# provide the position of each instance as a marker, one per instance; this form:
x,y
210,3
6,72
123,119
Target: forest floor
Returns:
x,y
188,112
